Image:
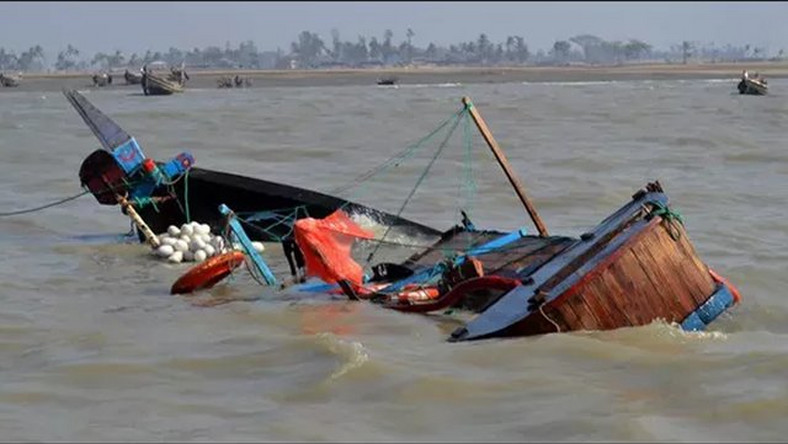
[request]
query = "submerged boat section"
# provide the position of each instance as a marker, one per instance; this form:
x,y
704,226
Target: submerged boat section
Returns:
x,y
635,267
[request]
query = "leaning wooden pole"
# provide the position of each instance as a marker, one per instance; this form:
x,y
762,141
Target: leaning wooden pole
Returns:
x,y
501,158
135,217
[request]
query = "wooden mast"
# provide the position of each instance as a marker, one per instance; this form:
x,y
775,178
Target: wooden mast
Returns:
x,y
501,158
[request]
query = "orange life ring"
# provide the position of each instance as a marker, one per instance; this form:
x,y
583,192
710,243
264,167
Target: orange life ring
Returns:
x,y
721,280
208,273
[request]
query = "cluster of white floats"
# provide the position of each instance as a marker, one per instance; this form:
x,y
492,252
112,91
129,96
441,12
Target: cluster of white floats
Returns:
x,y
193,242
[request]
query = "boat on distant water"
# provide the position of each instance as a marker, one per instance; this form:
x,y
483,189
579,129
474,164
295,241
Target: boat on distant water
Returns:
x,y
9,81
752,85
132,78
387,81
157,81
102,79
236,81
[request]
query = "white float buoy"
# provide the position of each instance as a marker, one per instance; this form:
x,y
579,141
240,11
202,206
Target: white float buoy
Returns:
x,y
165,250
187,229
197,244
200,255
176,257
181,245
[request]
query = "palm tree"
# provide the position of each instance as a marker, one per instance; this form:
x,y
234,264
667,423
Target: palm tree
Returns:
x,y
409,34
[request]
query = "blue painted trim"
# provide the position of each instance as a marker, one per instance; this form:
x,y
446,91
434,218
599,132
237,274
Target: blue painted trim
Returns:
x,y
693,322
429,272
715,305
240,234
476,251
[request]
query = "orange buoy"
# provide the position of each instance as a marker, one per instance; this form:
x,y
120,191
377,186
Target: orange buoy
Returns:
x,y
416,293
455,294
208,273
721,280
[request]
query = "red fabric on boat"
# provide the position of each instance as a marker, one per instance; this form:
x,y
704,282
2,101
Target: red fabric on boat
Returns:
x,y
326,243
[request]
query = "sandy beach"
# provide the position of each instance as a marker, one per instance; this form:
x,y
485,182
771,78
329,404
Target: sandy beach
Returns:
x,y
431,75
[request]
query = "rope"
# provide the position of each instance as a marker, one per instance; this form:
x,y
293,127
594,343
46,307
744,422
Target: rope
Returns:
x,y
557,327
395,159
42,207
421,178
669,217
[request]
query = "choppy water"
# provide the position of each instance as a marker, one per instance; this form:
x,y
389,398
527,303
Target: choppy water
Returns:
x,y
92,346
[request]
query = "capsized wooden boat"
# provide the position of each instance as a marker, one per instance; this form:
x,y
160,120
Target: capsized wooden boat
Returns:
x,y
636,267
175,192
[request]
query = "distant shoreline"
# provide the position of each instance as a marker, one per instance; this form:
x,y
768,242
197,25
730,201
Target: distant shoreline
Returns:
x,y
430,75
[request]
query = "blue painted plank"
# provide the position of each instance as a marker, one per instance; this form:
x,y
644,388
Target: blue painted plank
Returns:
x,y
243,239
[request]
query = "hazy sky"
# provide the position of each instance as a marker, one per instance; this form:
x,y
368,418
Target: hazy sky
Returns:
x,y
137,26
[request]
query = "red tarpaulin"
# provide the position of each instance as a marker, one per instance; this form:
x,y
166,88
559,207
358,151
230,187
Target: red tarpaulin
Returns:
x,y
326,243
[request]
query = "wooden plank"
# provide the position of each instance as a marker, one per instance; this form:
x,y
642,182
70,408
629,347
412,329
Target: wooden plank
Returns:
x,y
643,293
616,313
679,306
673,293
567,314
594,298
687,267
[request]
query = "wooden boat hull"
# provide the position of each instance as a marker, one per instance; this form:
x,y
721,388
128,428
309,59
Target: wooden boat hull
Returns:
x,y
634,268
153,85
752,87
204,190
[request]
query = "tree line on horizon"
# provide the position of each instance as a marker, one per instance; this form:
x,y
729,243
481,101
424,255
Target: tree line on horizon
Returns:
x,y
310,51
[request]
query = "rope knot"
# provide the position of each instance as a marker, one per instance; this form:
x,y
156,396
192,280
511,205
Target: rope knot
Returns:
x,y
669,216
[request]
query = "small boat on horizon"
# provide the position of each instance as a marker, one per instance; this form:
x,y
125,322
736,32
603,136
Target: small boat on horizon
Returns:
x,y
9,81
387,81
132,78
753,85
156,81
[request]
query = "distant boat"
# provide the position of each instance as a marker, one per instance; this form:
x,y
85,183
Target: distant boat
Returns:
x,y
755,85
155,83
236,81
102,79
9,81
387,81
132,78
